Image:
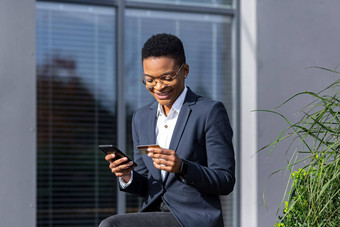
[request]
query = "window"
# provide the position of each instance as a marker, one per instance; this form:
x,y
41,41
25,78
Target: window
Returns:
x,y
210,3
207,42
78,93
76,112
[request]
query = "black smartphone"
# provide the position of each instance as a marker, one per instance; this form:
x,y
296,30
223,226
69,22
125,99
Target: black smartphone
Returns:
x,y
119,154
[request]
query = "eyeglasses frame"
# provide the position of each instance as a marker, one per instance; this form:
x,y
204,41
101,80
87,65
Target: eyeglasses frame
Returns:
x,y
158,80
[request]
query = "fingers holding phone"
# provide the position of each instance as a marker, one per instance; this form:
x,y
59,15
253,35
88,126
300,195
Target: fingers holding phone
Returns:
x,y
120,164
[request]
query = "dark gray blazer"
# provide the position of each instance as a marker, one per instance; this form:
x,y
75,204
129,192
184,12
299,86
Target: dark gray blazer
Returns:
x,y
203,138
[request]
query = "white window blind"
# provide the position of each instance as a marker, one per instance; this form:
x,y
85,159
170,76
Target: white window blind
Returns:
x,y
210,3
76,112
207,41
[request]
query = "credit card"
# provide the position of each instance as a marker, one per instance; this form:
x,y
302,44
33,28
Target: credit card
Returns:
x,y
143,148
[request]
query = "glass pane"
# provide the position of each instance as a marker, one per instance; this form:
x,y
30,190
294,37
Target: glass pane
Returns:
x,y
210,3
76,112
207,41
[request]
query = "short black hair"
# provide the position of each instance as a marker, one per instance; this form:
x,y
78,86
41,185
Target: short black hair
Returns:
x,y
164,45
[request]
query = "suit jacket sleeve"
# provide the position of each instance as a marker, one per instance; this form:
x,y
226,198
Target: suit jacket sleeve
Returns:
x,y
218,175
139,184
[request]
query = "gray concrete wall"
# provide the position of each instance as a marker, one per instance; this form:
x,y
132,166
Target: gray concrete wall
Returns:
x,y
17,113
292,36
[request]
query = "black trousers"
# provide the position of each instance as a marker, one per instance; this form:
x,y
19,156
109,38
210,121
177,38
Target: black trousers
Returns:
x,y
149,219
159,216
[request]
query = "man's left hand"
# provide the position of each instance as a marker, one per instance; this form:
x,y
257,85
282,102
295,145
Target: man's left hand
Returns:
x,y
165,159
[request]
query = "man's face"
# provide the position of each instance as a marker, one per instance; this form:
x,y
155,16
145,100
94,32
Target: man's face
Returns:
x,y
157,67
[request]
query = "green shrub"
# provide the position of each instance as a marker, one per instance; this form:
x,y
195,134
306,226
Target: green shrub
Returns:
x,y
313,192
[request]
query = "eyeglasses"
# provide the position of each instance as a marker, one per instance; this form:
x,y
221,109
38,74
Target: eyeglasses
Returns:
x,y
166,79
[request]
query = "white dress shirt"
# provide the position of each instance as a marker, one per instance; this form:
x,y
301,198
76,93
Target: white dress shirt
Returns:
x,y
164,128
166,124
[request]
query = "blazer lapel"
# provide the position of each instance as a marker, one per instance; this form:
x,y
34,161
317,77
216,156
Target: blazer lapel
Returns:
x,y
182,120
152,118
151,132
180,126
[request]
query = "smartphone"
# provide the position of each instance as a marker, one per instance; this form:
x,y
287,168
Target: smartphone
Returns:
x,y
119,154
143,149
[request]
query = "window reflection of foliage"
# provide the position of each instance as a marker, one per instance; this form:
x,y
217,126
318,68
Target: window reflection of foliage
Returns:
x,y
73,177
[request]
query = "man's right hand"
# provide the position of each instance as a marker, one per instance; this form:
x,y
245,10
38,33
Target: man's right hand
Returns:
x,y
118,168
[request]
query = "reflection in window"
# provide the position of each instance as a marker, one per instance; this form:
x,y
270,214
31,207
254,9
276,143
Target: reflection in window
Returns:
x,y
210,3
207,42
76,112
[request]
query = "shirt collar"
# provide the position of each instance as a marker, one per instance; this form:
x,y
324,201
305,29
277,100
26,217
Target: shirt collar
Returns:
x,y
177,104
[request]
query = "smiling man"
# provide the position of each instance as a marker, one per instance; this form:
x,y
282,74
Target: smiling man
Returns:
x,y
182,179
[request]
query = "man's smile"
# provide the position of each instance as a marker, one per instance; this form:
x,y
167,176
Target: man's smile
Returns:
x,y
163,95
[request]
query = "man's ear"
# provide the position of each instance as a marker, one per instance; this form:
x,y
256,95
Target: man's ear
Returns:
x,y
186,70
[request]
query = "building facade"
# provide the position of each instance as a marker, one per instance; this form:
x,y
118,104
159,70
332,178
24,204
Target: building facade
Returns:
x,y
69,80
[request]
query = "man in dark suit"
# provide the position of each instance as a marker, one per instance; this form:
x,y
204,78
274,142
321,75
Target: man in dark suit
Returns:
x,y
182,179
